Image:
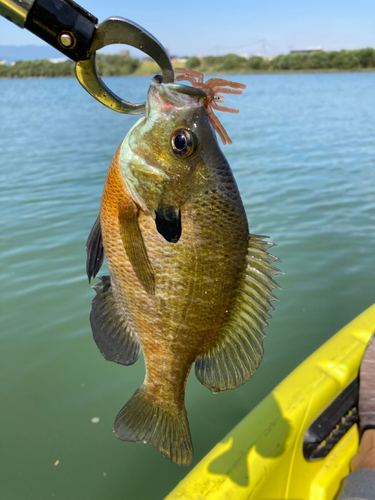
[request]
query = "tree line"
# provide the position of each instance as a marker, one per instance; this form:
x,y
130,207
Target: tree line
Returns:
x,y
108,65
317,60
120,65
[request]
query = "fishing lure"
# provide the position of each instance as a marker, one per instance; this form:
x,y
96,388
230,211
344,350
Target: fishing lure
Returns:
x,y
214,88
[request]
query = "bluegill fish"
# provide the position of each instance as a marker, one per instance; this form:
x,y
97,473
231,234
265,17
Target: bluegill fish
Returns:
x,y
187,283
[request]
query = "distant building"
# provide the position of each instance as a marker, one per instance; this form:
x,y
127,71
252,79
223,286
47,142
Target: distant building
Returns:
x,y
124,52
174,59
182,59
3,61
306,51
57,60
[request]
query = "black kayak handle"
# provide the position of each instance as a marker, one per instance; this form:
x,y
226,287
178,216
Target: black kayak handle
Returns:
x,y
333,423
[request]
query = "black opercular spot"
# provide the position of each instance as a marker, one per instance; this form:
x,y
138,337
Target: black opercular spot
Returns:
x,y
168,223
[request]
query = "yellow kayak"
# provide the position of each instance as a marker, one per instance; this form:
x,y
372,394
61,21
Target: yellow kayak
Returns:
x,y
298,442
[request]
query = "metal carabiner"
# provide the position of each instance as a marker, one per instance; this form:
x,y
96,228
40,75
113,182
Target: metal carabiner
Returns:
x,y
75,32
120,30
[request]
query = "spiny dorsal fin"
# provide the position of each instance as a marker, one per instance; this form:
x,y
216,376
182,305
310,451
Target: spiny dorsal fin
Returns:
x,y
134,245
142,420
238,351
112,334
95,250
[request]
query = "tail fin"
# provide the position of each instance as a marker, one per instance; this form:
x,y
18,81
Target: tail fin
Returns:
x,y
142,421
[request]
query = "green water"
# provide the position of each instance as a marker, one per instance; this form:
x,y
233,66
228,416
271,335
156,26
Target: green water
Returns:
x,y
303,154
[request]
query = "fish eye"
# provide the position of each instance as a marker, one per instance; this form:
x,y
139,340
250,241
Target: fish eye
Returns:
x,y
183,143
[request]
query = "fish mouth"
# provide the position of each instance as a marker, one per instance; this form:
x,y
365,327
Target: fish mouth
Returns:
x,y
157,83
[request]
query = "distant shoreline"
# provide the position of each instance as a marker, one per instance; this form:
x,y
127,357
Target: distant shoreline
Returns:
x,y
255,72
278,72
315,61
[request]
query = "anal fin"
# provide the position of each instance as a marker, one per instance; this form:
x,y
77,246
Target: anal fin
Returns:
x,y
238,351
112,334
134,245
95,250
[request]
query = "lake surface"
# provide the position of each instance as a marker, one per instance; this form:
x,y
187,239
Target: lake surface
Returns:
x,y
303,155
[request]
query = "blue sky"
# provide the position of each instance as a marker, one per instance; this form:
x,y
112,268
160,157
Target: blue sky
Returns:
x,y
221,26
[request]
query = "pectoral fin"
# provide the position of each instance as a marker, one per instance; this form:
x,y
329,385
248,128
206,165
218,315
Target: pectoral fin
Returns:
x,y
238,351
135,248
112,334
95,250
168,223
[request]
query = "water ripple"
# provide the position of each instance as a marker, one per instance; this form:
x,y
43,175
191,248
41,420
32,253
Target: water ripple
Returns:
x,y
303,156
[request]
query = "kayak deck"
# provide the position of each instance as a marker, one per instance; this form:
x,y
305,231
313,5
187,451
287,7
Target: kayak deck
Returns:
x,y
262,457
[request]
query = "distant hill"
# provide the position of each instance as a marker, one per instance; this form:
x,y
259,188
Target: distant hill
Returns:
x,y
11,53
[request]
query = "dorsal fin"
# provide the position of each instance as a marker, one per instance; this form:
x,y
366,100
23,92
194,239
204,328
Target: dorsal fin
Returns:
x,y
238,351
111,332
95,250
